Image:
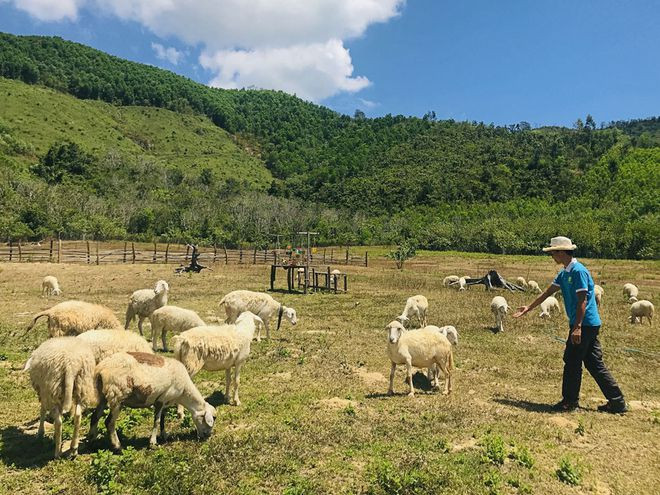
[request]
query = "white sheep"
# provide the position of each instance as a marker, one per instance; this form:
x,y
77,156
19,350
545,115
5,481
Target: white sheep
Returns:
x,y
262,305
640,309
448,331
74,317
62,373
549,304
422,348
449,279
462,283
499,307
631,292
216,348
533,285
142,380
50,286
173,319
522,282
416,306
143,302
104,342
599,292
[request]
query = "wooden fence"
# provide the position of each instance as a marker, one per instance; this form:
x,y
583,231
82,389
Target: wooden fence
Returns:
x,y
95,252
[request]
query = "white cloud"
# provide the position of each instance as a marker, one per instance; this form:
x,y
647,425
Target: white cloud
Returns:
x,y
368,103
171,54
248,42
50,10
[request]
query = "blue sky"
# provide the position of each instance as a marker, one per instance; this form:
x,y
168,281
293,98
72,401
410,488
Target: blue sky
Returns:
x,y
547,62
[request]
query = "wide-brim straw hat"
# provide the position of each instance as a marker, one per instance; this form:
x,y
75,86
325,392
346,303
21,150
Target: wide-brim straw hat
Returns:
x,y
560,244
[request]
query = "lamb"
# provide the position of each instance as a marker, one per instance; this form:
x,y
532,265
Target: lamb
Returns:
x,y
499,308
449,280
598,293
522,283
550,303
448,331
104,342
173,319
62,373
415,306
262,305
142,380
534,286
74,317
215,348
640,309
143,302
50,286
422,348
462,283
631,292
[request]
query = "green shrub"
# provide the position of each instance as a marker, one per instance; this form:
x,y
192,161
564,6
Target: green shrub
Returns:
x,y
569,472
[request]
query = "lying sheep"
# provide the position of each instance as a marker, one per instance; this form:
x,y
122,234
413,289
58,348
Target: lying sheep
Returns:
x,y
74,317
143,302
105,342
142,380
549,304
62,373
449,279
173,319
50,286
416,306
598,293
422,348
216,348
640,309
522,283
631,292
499,308
534,286
262,305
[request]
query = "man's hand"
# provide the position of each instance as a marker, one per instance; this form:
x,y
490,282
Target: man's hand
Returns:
x,y
521,311
576,335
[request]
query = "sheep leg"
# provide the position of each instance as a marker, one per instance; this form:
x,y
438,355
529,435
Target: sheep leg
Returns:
x,y
237,381
390,390
130,314
267,328
58,431
140,320
158,416
179,411
111,424
163,336
155,333
42,420
227,384
94,420
75,439
411,392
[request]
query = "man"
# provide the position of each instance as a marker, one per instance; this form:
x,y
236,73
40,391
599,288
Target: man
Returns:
x,y
582,344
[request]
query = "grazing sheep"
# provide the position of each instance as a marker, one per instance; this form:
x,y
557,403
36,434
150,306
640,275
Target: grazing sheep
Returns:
x,y
50,286
598,293
415,306
448,331
216,348
262,305
74,317
422,348
142,380
550,303
499,308
521,282
631,292
449,280
173,319
534,286
143,302
62,373
335,272
640,309
105,342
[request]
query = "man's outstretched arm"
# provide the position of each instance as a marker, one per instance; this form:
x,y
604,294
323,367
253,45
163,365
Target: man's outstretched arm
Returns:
x,y
526,309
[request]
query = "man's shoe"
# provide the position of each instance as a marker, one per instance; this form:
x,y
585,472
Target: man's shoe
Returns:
x,y
565,406
618,407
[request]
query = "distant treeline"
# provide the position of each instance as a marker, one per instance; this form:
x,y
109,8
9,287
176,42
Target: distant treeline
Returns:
x,y
443,184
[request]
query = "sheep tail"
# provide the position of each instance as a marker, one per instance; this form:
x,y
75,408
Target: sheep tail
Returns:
x,y
184,354
69,378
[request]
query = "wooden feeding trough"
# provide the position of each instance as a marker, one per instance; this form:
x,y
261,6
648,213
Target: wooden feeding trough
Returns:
x,y
313,278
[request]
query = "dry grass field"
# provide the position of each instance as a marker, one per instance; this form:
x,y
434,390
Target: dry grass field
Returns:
x,y
315,417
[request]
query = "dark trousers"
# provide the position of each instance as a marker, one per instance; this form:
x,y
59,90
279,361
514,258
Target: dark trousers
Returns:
x,y
589,352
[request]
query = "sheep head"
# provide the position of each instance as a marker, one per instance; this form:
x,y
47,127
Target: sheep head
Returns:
x,y
394,331
290,314
204,421
161,286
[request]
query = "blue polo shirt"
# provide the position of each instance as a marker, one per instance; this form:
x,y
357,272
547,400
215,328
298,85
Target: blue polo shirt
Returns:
x,y
571,280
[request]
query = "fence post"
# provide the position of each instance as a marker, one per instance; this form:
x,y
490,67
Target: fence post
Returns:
x,y
187,251
366,258
215,252
50,252
167,252
265,255
153,258
327,279
11,249
240,254
97,252
133,250
254,256
20,253
324,256
125,246
272,277
59,250
347,256
226,257
88,255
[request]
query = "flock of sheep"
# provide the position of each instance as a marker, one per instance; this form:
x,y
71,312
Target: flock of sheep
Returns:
x,y
90,362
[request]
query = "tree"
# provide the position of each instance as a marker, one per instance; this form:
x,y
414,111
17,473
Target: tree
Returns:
x,y
64,159
403,252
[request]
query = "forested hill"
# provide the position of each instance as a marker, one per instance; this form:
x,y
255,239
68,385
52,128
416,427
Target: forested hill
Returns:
x,y
443,184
